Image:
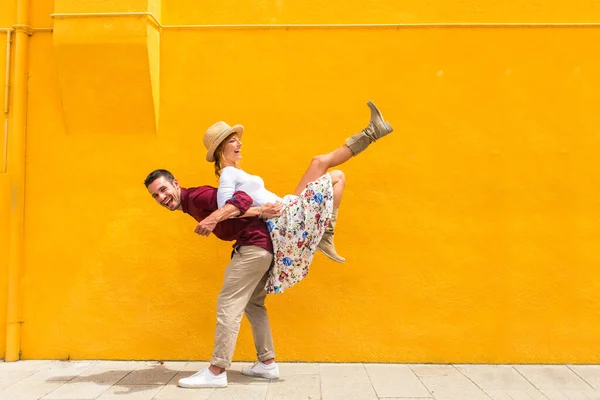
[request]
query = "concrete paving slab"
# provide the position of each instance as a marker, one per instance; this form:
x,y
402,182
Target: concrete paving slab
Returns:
x,y
552,377
346,382
395,380
295,387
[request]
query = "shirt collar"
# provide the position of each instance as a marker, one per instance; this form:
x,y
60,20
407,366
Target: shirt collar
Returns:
x,y
185,195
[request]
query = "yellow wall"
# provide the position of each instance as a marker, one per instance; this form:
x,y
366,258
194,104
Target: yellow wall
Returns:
x,y
471,232
380,11
7,19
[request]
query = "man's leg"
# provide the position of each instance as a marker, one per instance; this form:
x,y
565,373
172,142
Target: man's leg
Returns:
x,y
261,327
245,271
263,339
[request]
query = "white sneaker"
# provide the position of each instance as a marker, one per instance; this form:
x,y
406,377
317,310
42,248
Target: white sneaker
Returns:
x,y
204,379
260,370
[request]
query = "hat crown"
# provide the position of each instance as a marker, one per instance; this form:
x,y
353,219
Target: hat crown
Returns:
x,y
217,133
214,132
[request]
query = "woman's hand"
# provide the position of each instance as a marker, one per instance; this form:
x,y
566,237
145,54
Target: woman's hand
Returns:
x,y
270,210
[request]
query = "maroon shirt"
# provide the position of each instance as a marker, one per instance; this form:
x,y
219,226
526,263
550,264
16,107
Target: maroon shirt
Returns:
x,y
201,201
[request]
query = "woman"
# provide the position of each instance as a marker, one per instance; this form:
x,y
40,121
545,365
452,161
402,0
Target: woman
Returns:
x,y
308,217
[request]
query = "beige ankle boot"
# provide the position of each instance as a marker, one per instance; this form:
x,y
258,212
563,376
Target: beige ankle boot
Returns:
x,y
326,244
376,129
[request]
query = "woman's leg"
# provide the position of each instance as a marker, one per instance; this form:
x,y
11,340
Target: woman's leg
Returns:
x,y
326,244
376,129
339,183
355,144
320,164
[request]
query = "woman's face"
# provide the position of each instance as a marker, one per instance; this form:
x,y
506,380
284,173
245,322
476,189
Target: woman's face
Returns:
x,y
232,150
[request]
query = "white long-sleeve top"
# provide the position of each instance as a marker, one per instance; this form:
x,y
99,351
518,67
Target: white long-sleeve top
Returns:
x,y
234,179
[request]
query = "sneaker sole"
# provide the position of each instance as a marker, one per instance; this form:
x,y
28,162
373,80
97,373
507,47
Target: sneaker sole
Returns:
x,y
259,376
200,386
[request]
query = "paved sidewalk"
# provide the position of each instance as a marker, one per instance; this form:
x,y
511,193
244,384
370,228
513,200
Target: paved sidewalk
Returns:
x,y
141,380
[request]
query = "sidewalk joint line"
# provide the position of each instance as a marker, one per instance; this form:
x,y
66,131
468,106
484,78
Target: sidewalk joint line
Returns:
x,y
472,381
531,383
579,376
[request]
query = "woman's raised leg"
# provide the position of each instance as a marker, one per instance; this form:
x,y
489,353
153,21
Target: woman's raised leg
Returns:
x,y
320,164
376,129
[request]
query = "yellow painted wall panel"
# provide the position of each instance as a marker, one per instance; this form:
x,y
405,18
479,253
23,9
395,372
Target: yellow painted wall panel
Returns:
x,y
379,12
8,13
471,232
98,6
39,13
108,81
41,10
153,51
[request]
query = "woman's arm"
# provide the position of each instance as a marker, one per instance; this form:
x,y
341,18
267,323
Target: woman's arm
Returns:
x,y
239,203
227,185
268,210
208,224
252,212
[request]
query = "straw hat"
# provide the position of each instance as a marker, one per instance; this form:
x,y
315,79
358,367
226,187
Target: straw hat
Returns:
x,y
216,134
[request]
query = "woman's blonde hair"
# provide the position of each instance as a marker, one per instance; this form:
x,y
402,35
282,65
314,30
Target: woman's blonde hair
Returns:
x,y
219,155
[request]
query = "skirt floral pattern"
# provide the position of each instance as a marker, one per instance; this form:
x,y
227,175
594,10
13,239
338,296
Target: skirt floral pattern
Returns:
x,y
296,233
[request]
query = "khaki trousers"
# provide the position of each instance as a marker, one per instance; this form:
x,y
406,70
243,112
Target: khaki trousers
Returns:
x,y
243,291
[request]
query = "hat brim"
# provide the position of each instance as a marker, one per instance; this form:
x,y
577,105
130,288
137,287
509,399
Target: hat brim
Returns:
x,y
210,153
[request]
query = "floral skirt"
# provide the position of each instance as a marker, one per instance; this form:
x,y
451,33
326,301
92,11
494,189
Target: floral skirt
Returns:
x,y
296,233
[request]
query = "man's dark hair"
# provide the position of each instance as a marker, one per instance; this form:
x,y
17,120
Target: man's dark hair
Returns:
x,y
154,175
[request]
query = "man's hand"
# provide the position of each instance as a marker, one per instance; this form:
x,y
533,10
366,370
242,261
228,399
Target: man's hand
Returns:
x,y
270,210
206,226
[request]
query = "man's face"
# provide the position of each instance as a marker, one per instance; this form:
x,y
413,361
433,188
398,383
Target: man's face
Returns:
x,y
165,193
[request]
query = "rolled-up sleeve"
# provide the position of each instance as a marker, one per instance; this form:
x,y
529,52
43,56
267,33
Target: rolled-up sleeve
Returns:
x,y
240,200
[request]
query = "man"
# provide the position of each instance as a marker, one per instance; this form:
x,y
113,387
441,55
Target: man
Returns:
x,y
243,287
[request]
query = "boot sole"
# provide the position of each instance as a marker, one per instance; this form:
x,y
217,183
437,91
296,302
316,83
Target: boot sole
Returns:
x,y
331,258
388,127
